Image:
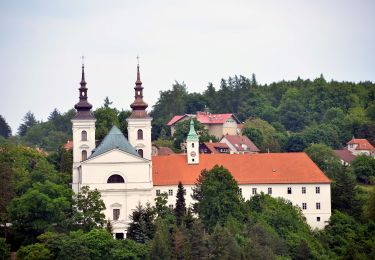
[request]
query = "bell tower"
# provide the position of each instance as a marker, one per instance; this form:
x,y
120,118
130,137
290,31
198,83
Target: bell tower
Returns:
x,y
139,122
192,145
83,128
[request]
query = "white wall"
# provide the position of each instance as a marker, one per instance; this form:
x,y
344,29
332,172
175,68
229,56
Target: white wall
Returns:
x,y
145,144
278,190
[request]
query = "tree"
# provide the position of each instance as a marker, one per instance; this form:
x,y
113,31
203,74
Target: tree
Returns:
x,y
263,132
345,193
218,197
4,249
180,209
295,143
34,252
88,207
44,206
141,229
28,121
291,110
198,241
325,158
107,103
222,244
364,168
106,117
371,205
122,116
5,130
160,246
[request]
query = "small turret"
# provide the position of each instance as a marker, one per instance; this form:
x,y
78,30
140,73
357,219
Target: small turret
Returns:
x,y
192,145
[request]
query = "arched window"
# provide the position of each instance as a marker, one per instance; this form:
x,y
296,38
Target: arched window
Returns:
x,y
84,155
83,136
140,152
115,178
140,134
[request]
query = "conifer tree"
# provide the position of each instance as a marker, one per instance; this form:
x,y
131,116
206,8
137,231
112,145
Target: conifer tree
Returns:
x,y
160,247
198,241
180,209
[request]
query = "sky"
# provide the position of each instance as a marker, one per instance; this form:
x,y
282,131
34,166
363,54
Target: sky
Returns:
x,y
195,42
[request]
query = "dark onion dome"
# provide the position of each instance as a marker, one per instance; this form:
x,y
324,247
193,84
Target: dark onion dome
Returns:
x,y
83,107
138,106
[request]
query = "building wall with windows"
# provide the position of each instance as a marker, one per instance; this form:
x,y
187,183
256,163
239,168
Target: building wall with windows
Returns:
x,y
315,217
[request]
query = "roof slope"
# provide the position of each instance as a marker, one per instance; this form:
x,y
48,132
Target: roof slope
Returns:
x,y
363,144
205,118
114,140
345,155
238,140
212,147
264,168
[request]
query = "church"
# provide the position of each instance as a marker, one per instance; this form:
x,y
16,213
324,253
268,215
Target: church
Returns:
x,y
126,173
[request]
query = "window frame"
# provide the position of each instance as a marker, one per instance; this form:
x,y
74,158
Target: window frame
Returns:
x,y
139,134
116,214
304,206
269,191
304,190
170,192
83,135
84,155
289,190
317,189
254,191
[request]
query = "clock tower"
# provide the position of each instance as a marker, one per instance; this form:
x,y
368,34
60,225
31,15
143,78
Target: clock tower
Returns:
x,y
192,145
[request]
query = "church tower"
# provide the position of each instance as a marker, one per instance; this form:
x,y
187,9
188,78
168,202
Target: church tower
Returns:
x,y
83,132
192,145
139,122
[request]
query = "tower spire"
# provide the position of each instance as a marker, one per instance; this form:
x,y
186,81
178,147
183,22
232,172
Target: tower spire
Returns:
x,y
138,106
83,107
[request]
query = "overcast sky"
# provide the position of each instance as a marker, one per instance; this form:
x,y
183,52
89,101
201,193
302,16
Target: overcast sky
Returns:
x,y
197,42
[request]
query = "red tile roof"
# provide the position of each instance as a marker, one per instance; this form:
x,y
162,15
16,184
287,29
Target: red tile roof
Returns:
x,y
174,120
345,155
213,146
68,145
246,168
363,144
238,140
205,118
165,151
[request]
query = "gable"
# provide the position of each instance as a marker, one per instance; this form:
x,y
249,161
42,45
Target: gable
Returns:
x,y
115,156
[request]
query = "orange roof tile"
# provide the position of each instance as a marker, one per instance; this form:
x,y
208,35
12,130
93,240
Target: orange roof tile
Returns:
x,y
245,168
239,140
205,118
212,146
363,144
68,145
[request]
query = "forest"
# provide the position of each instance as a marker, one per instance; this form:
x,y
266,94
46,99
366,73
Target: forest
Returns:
x,y
314,116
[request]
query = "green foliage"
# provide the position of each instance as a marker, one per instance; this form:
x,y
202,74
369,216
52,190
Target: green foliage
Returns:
x,y
4,249
348,238
160,246
5,130
122,116
34,252
345,194
180,209
217,197
371,205
142,227
325,158
42,207
264,134
105,118
364,168
161,206
28,121
88,207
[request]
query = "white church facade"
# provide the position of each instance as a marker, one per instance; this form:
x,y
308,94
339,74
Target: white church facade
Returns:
x,y
126,174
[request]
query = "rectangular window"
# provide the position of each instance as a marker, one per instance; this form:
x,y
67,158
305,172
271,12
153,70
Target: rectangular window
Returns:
x,y
240,191
303,190
171,206
157,192
317,190
318,219
254,191
116,214
304,205
289,190
318,205
269,191
170,192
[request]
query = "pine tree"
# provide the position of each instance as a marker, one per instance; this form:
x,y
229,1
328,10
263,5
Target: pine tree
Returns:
x,y
160,247
198,241
180,209
5,130
28,121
